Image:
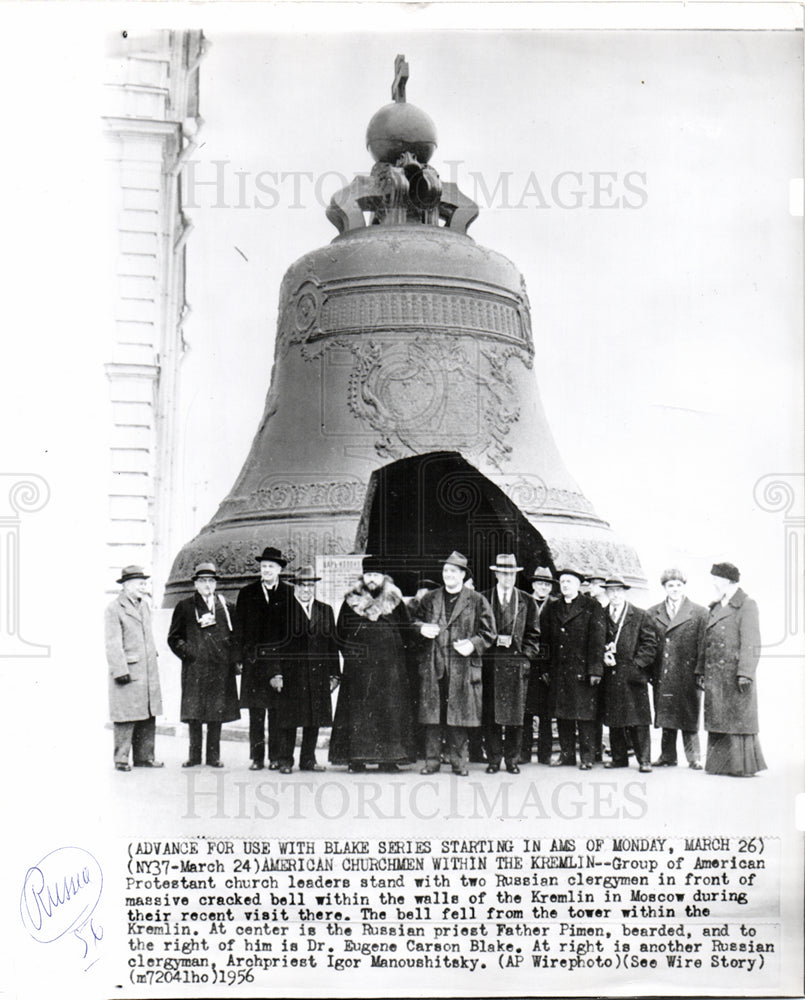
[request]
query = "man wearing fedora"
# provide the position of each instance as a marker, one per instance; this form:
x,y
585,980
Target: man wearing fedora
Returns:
x,y
680,625
628,661
263,639
731,655
201,635
537,693
135,698
309,674
506,666
374,718
457,626
575,629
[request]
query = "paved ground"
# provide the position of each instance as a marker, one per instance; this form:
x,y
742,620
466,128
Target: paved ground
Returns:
x,y
237,801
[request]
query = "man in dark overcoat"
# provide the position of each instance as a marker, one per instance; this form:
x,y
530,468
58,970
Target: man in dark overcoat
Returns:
x,y
309,675
456,625
506,666
374,716
264,637
575,629
628,660
731,654
135,697
537,701
680,625
201,635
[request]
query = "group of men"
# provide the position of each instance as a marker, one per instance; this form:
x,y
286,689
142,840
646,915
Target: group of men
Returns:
x,y
423,677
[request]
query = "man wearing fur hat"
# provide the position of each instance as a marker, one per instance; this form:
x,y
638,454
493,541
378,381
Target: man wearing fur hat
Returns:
x,y
506,666
456,625
680,625
200,635
264,637
135,698
731,654
373,717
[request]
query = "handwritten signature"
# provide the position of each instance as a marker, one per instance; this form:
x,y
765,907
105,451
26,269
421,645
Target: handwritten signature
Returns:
x,y
60,894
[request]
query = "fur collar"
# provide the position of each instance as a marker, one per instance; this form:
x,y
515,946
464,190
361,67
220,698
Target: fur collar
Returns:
x,y
372,607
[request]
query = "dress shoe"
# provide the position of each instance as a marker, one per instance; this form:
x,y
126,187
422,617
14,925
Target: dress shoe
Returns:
x,y
215,763
285,769
312,767
149,763
390,768
356,768
695,765
525,758
273,765
512,769
611,764
492,768
430,769
192,763
564,762
662,762
545,760
585,766
645,768
256,765
122,767
461,772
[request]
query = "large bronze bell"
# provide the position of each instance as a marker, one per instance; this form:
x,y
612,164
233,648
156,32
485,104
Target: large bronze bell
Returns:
x,y
403,416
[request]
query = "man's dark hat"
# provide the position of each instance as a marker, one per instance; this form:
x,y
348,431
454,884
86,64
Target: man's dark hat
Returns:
x,y
270,554
615,581
373,564
205,569
593,577
542,573
569,571
133,573
425,583
727,571
459,560
305,574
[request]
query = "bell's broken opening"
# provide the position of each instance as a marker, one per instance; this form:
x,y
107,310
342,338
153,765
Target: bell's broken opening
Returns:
x,y
419,509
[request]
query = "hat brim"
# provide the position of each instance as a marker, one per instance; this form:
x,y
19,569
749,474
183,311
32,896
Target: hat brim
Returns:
x,y
136,576
305,579
205,576
497,569
282,563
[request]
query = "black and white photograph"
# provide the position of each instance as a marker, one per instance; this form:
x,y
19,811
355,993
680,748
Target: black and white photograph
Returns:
x,y
404,418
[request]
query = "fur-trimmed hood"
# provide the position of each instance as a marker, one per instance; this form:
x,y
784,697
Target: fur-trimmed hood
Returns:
x,y
370,606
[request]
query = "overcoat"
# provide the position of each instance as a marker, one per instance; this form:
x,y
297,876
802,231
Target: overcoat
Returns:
x,y
209,687
625,694
680,651
263,638
374,720
130,650
732,650
305,696
506,670
471,619
576,635
537,700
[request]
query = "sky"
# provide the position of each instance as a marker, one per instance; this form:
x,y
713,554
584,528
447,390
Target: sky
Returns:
x,y
640,181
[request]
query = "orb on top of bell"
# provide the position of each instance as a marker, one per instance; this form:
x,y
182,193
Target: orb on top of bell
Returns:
x,y
399,127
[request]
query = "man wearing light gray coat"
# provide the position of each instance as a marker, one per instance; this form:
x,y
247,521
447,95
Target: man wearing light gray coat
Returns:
x,y
135,698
